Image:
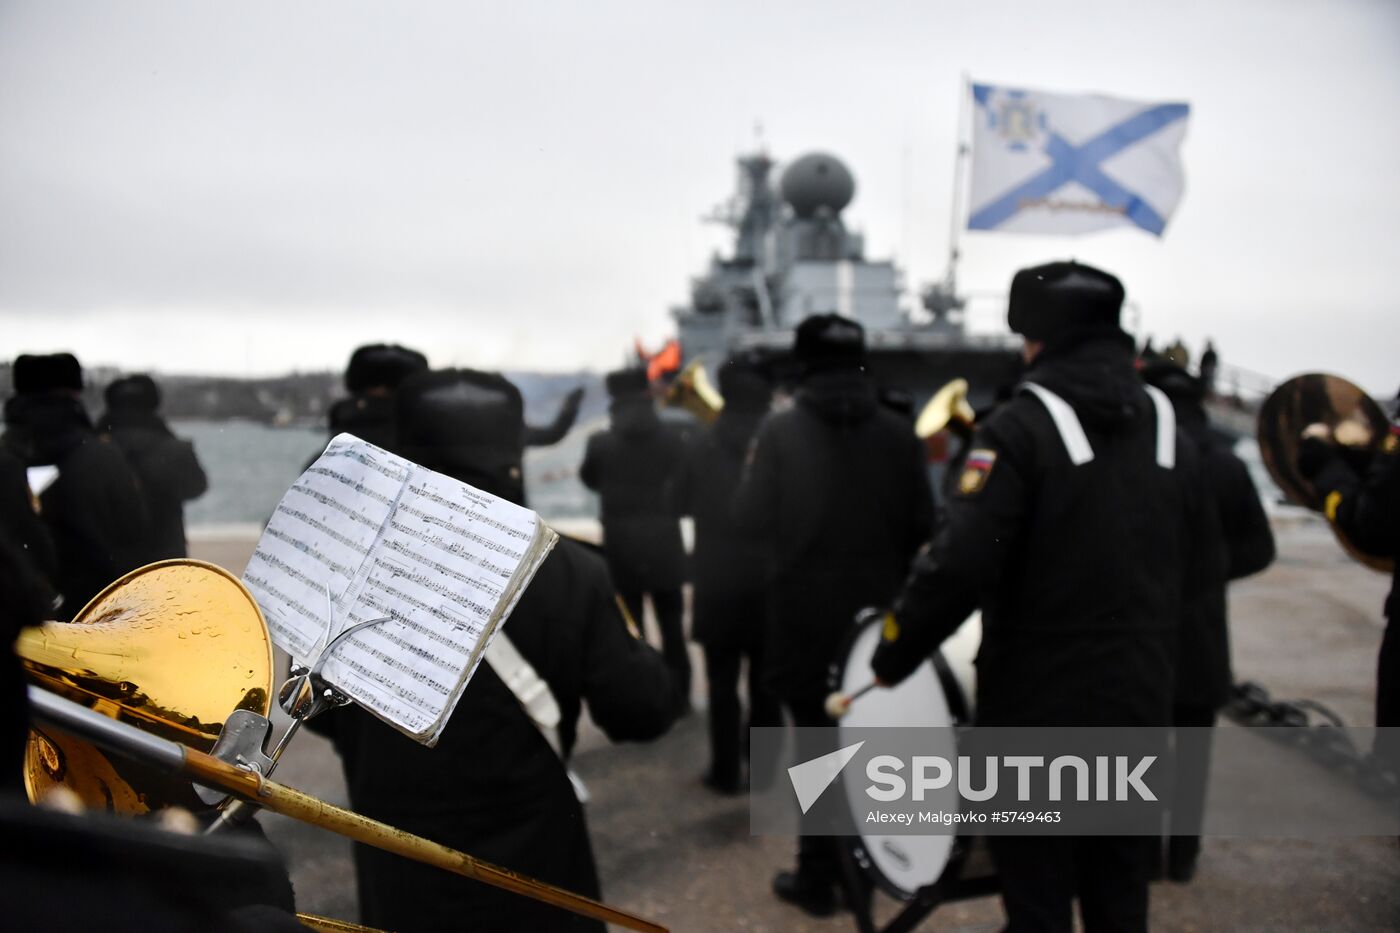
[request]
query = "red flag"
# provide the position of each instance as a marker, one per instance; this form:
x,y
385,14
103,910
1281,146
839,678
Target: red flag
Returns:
x,y
666,360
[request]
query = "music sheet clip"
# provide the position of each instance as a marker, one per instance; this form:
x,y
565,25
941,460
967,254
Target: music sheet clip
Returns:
x,y
306,693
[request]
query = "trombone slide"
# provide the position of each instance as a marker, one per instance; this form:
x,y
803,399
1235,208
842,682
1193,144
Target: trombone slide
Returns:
x,y
205,769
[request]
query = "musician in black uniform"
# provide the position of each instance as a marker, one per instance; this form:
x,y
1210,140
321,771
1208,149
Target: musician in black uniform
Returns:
x,y
167,467
493,786
19,516
837,486
730,571
28,570
633,465
375,371
1237,542
1365,504
94,511
27,596
1067,528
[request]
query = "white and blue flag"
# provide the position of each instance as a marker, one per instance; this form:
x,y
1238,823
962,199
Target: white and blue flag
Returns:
x,y
1068,164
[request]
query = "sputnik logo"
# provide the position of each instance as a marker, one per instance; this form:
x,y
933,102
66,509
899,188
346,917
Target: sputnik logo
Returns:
x,y
810,779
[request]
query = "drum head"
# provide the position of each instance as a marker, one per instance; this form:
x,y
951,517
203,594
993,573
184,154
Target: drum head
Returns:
x,y
930,696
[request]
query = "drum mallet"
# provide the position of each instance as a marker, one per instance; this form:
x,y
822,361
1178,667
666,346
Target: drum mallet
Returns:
x,y
838,703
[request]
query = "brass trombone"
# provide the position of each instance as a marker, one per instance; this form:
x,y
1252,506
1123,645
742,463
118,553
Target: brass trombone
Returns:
x,y
693,391
948,408
132,698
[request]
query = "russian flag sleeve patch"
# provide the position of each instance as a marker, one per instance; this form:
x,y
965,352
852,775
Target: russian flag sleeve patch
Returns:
x,y
977,468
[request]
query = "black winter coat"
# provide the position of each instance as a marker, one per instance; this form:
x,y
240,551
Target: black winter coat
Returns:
x,y
633,467
369,417
729,567
1079,570
1367,507
554,432
27,594
492,786
169,472
22,524
1236,542
837,487
94,511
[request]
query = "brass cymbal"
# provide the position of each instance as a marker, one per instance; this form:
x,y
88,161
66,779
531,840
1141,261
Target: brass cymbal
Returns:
x,y
1319,398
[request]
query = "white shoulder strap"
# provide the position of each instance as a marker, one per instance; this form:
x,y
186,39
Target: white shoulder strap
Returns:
x,y
1166,427
1066,422
534,696
521,678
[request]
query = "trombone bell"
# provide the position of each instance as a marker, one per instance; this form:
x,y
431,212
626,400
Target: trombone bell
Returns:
x,y
693,391
171,648
170,652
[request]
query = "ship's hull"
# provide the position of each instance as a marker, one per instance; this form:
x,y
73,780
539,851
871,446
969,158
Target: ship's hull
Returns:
x,y
914,363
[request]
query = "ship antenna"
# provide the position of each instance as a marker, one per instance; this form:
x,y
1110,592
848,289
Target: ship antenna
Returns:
x,y
941,298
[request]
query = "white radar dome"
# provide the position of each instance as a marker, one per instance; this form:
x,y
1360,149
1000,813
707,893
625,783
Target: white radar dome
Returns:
x,y
817,180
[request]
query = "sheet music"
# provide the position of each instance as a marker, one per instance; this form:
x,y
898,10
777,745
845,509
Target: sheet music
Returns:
x,y
444,561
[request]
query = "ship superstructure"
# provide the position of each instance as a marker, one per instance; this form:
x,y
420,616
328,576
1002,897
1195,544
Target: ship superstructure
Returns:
x,y
794,256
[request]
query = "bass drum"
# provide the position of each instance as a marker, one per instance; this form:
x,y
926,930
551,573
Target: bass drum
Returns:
x,y
938,693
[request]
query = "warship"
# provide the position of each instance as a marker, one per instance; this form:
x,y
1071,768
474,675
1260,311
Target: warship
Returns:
x,y
794,256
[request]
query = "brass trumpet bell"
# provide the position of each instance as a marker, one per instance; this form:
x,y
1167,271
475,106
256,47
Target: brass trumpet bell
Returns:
x,y
948,404
693,391
172,648
1356,420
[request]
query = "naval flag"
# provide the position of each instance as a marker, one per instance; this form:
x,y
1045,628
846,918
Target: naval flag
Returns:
x,y
1067,164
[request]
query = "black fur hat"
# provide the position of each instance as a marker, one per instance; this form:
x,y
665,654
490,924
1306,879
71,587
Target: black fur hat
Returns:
x,y
1061,297
133,393
382,365
744,384
55,371
622,383
829,341
467,424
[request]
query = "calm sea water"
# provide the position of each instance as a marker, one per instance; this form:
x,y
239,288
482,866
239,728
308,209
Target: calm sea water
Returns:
x,y
251,465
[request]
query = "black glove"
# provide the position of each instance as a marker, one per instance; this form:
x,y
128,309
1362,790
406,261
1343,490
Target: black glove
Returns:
x,y
1314,454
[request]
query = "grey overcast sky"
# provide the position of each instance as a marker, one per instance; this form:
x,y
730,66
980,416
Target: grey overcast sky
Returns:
x,y
252,187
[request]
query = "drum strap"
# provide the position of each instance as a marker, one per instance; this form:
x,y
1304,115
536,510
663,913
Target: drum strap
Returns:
x,y
534,696
1077,443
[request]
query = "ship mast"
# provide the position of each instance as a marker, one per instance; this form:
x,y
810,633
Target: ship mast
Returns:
x,y
941,299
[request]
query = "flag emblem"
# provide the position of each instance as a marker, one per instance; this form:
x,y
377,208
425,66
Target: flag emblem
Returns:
x,y
976,469
1018,121
1069,164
